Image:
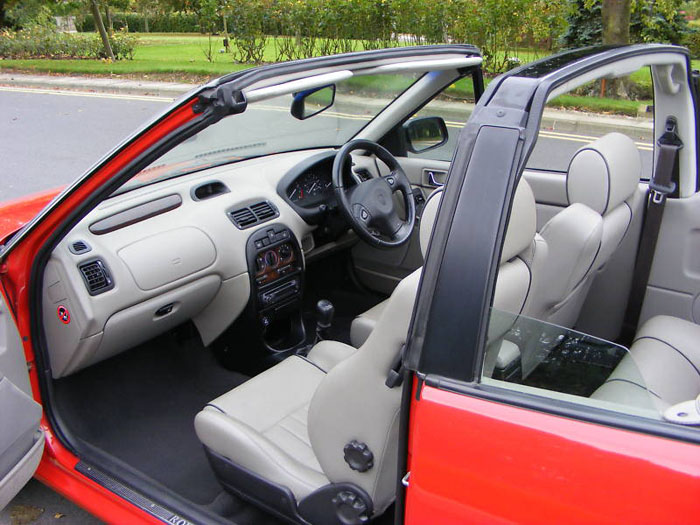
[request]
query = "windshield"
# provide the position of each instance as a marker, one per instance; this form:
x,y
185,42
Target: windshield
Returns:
x,y
268,127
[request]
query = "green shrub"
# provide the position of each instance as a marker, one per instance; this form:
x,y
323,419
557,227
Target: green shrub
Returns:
x,y
45,42
692,42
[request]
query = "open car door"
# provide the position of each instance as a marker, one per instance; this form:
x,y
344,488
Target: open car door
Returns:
x,y
21,439
570,428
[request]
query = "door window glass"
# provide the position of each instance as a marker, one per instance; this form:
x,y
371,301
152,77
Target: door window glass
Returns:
x,y
529,355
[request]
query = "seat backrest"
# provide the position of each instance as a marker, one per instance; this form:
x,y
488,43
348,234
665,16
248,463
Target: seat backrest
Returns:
x,y
602,177
354,403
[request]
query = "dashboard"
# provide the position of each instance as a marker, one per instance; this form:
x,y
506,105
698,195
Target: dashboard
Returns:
x,y
144,261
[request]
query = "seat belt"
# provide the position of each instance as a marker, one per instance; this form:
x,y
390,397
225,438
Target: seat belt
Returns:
x,y
660,186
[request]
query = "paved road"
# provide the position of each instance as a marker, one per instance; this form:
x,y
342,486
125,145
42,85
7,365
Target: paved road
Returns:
x,y
48,140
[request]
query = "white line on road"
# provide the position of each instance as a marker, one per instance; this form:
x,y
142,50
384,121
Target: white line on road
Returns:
x,y
39,91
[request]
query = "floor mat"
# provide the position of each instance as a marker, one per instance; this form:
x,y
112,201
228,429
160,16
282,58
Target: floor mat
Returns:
x,y
140,406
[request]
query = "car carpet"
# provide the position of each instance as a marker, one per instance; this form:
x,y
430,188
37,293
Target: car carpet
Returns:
x,y
140,406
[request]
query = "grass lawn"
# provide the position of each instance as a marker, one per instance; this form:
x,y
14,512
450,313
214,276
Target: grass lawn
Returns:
x,y
183,57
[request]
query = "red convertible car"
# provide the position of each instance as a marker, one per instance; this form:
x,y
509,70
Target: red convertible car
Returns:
x,y
364,288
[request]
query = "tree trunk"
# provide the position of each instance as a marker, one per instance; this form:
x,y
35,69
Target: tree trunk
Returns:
x,y
616,30
101,28
616,21
145,23
108,16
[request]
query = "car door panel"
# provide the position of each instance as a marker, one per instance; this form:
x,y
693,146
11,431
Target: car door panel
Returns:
x,y
569,472
21,440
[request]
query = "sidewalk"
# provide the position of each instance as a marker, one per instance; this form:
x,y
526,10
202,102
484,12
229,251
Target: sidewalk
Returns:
x,y
552,118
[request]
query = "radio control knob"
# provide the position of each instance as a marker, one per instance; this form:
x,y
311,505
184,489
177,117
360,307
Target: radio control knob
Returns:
x,y
271,259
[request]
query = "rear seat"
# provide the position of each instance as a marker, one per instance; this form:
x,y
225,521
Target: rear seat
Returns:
x,y
666,353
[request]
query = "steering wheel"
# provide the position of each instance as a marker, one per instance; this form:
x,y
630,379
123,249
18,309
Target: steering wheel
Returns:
x,y
369,206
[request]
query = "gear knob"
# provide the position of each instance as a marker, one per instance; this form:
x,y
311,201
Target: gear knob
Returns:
x,y
324,314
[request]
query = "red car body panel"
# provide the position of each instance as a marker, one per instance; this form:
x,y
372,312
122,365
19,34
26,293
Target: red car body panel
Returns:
x,y
16,213
57,467
478,461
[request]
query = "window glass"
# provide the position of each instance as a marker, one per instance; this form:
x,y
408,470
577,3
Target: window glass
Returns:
x,y
526,354
267,127
570,121
454,105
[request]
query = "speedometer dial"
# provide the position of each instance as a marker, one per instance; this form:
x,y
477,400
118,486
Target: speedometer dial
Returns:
x,y
310,186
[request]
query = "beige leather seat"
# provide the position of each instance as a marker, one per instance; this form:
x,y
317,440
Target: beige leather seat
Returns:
x,y
601,182
663,366
316,437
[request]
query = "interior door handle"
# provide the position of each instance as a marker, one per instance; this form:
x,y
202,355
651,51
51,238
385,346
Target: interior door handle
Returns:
x,y
434,176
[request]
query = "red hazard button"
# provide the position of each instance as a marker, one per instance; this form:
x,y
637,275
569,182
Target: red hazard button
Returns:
x,y
63,314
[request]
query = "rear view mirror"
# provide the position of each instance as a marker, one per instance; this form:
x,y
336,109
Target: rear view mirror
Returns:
x,y
425,133
311,102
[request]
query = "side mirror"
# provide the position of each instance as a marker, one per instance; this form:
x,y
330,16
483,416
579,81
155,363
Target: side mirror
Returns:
x,y
425,133
311,102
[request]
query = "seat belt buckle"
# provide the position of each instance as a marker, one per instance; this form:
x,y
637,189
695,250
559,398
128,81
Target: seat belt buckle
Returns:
x,y
659,191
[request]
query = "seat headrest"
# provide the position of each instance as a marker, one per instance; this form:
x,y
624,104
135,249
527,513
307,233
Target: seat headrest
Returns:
x,y
605,173
521,228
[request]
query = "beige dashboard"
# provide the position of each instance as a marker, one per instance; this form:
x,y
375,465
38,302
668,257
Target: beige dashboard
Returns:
x,y
187,262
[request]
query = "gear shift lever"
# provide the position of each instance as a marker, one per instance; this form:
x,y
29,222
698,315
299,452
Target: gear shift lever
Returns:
x,y
324,318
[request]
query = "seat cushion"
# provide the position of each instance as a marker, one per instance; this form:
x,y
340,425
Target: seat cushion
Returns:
x,y
262,426
364,323
327,354
664,359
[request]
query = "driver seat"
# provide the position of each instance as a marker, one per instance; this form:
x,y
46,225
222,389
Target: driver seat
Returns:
x,y
315,439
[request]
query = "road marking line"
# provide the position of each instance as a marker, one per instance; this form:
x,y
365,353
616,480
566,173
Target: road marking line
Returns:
x,y
66,93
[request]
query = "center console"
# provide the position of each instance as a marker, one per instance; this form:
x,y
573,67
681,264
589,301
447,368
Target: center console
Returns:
x,y
276,269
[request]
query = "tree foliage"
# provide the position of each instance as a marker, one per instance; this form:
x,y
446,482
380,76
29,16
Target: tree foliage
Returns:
x,y
650,21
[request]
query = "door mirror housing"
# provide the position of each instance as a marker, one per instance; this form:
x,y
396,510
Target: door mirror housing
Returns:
x,y
310,102
425,133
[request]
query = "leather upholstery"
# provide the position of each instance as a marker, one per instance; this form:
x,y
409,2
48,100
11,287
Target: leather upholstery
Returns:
x,y
603,174
364,323
602,177
573,237
262,425
353,402
664,359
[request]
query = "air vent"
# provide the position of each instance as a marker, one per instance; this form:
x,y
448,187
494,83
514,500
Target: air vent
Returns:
x,y
253,214
79,247
96,276
263,211
243,218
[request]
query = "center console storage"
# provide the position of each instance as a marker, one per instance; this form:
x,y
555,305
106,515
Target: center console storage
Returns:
x,y
276,269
